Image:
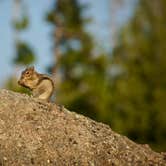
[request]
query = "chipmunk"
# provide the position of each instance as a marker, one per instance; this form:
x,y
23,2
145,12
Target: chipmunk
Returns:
x,y
41,85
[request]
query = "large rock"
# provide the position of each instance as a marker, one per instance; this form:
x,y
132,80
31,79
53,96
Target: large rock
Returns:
x,y
38,133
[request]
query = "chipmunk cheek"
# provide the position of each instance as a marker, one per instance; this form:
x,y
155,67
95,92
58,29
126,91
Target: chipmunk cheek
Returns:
x,y
20,82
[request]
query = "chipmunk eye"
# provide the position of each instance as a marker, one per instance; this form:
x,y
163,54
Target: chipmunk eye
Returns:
x,y
27,72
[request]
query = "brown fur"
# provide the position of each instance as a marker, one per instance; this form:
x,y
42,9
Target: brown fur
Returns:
x,y
41,85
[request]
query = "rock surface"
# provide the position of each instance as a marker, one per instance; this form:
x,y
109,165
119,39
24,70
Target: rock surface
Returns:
x,y
38,133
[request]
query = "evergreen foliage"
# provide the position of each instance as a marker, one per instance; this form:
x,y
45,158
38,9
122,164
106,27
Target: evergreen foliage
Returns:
x,y
84,85
139,91
24,53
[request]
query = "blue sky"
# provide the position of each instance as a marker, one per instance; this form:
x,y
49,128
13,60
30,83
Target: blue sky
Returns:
x,y
38,35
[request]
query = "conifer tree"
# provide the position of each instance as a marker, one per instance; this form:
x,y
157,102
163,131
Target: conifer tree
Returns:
x,y
24,53
83,84
139,89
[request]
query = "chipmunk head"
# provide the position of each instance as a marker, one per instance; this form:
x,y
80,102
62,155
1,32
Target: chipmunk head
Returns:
x,y
29,78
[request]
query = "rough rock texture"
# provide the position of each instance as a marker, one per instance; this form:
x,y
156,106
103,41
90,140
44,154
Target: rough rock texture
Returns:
x,y
38,133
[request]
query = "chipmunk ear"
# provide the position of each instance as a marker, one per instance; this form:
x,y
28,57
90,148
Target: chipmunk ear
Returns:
x,y
32,68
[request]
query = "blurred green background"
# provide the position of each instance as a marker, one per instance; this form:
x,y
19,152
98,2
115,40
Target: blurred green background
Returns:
x,y
107,59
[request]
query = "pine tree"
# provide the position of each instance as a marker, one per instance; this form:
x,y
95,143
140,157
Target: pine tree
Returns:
x,y
139,91
24,53
84,84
